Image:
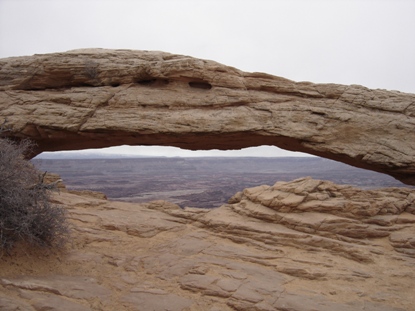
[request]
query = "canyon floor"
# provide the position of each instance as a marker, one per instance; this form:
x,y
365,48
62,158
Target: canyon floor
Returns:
x,y
205,182
298,245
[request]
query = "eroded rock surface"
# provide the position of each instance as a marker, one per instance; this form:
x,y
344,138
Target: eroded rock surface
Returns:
x,y
299,246
100,98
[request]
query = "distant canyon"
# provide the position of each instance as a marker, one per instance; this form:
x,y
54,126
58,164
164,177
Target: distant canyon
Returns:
x,y
200,182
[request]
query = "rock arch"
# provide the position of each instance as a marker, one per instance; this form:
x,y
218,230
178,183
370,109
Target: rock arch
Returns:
x,y
98,98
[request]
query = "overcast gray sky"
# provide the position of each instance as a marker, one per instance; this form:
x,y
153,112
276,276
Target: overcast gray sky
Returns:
x,y
366,42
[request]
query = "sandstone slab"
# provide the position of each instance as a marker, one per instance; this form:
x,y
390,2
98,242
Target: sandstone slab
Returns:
x,y
250,254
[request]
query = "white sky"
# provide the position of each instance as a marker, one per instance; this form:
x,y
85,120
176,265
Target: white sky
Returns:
x,y
366,42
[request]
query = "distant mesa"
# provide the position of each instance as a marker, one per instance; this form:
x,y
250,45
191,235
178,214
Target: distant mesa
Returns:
x,y
97,98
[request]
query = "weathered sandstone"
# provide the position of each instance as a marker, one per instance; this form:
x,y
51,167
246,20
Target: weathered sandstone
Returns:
x,y
99,98
298,246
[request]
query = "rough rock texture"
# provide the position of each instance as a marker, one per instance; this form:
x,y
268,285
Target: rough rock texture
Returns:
x,y
98,98
298,246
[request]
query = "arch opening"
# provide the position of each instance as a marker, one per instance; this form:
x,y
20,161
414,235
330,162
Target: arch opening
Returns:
x,y
204,179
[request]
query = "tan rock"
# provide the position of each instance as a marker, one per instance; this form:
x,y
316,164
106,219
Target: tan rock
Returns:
x,y
77,287
144,299
252,254
100,98
8,303
55,179
44,301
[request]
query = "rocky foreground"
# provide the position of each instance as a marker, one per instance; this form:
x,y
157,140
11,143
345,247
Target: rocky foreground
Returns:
x,y
300,245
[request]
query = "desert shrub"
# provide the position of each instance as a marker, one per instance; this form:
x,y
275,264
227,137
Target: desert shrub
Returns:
x,y
26,213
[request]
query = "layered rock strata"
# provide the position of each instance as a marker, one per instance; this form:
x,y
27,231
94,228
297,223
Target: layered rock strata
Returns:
x,y
299,246
100,98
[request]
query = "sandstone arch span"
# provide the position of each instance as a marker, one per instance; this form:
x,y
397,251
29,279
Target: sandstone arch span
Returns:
x,y
98,98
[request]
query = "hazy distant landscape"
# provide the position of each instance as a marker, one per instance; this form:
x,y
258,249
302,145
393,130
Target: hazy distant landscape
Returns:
x,y
199,182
